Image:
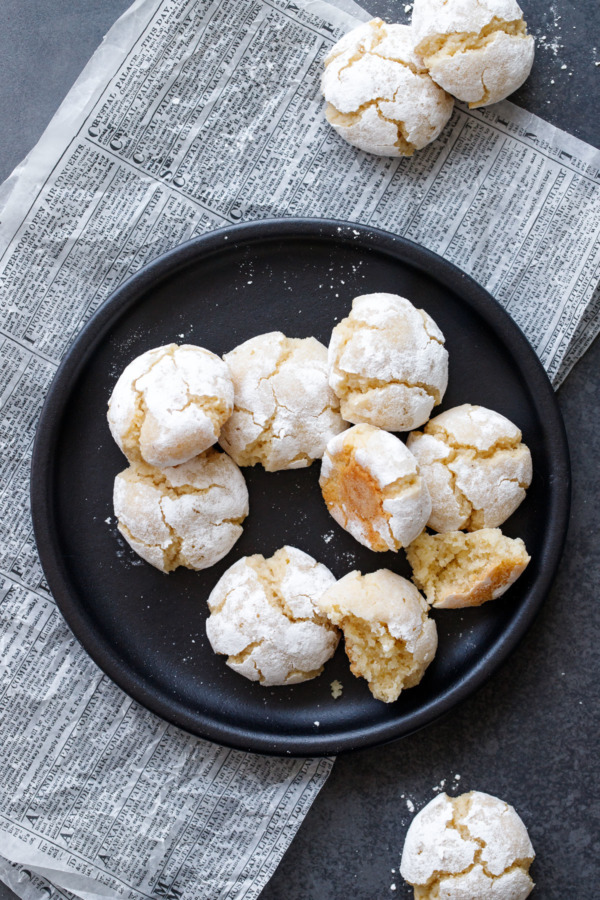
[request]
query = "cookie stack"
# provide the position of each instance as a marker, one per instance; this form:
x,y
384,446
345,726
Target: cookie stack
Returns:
x,y
389,88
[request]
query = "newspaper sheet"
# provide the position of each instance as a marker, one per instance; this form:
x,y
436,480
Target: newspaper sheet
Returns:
x,y
194,114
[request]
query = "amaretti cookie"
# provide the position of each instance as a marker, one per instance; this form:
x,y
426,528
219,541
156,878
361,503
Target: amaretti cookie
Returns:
x,y
380,97
389,638
471,847
475,465
264,617
169,404
387,363
479,52
189,515
457,569
285,411
372,487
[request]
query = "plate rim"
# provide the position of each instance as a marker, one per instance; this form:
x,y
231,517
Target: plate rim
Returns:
x,y
116,305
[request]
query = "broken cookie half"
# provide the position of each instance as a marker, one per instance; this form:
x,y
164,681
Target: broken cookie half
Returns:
x,y
389,638
380,97
264,617
456,569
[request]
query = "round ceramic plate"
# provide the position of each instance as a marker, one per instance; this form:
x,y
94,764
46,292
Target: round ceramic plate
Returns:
x,y
146,630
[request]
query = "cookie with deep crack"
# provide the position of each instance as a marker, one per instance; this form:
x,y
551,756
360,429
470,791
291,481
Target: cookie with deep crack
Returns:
x,y
473,846
458,569
189,515
387,363
372,487
285,411
475,465
380,97
479,52
264,618
389,638
169,404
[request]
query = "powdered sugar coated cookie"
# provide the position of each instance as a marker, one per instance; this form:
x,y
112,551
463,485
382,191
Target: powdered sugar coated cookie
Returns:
x,y
189,515
169,404
264,617
477,50
475,465
473,846
372,487
285,411
379,95
387,363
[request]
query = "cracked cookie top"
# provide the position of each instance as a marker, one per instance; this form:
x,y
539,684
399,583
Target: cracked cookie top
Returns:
x,y
169,404
264,618
372,487
388,636
387,363
477,50
380,97
189,515
284,412
474,846
475,465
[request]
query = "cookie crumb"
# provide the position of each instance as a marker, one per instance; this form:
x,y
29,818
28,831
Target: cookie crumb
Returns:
x,y
337,689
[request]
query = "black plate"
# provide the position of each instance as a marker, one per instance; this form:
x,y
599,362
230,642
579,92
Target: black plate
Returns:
x,y
146,629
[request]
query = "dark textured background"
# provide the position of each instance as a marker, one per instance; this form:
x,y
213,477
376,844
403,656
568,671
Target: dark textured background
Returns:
x,y
531,734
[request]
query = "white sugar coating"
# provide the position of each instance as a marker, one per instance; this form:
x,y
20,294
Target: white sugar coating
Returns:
x,y
189,515
380,97
471,847
388,636
387,363
475,466
264,618
477,50
169,404
285,411
372,487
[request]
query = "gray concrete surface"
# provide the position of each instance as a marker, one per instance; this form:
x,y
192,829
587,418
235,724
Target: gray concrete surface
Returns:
x,y
531,734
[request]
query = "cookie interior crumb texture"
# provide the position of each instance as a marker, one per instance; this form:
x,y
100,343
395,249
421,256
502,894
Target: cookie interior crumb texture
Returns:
x,y
458,569
380,97
388,636
372,488
478,52
475,466
264,618
470,847
387,363
285,411
169,404
189,515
